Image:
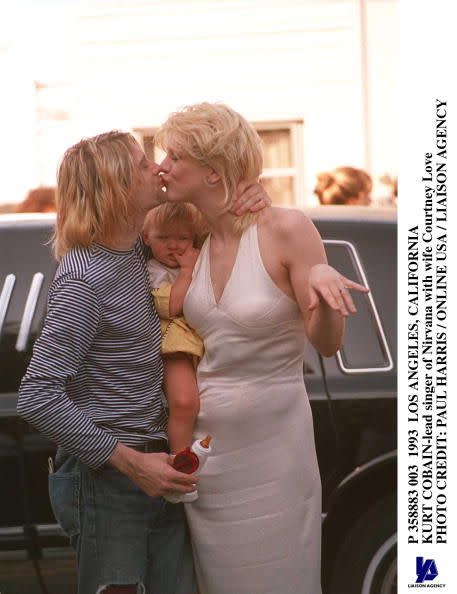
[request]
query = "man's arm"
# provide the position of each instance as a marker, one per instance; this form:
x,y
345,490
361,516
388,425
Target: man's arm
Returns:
x,y
70,327
251,197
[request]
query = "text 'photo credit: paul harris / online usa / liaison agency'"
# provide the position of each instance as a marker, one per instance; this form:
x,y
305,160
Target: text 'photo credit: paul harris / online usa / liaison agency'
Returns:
x,y
427,506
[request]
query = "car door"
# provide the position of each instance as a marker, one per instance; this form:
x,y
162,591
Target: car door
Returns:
x,y
361,379
26,271
324,424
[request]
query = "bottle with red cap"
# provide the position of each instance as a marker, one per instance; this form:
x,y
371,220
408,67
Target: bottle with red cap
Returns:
x,y
190,461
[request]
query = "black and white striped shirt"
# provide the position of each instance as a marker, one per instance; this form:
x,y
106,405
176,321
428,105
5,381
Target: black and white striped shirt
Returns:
x,y
95,377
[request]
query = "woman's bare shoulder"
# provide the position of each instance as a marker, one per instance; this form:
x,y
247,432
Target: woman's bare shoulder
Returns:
x,y
285,222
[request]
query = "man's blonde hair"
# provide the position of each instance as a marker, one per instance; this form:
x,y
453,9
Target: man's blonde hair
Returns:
x,y
219,137
171,215
95,180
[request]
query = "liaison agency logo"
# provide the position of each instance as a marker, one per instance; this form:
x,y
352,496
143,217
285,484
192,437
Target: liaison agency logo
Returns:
x,y
426,573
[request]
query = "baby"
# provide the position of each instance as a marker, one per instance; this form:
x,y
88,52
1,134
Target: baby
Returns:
x,y
171,231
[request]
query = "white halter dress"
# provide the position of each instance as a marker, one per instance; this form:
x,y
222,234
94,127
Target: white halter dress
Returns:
x,y
257,523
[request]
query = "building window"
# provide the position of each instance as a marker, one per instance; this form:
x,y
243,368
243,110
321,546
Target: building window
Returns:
x,y
146,138
282,175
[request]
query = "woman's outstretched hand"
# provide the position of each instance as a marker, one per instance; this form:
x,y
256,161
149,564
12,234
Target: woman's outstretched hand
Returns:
x,y
328,284
251,198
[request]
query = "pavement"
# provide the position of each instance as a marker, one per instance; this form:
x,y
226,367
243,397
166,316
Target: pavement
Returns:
x,y
18,575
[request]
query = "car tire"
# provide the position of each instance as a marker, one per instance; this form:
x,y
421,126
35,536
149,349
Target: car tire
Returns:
x,y
367,559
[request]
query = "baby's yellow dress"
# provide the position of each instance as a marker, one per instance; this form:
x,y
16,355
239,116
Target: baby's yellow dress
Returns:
x,y
177,335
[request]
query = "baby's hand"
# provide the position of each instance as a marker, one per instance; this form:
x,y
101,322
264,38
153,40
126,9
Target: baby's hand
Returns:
x,y
187,259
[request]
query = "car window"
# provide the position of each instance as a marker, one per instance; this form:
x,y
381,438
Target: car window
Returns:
x,y
27,268
365,347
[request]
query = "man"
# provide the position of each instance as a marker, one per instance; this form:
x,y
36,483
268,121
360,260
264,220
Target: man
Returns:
x,y
94,382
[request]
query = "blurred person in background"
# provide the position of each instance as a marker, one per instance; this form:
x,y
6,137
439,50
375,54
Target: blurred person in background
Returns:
x,y
39,200
344,185
391,183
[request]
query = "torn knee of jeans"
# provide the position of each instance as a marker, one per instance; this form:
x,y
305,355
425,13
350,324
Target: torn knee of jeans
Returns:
x,y
122,589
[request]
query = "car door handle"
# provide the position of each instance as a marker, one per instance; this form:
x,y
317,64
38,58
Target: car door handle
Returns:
x,y
5,298
29,311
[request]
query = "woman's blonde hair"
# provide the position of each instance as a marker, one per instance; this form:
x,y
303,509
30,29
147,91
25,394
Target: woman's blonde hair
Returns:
x,y
95,180
171,215
219,137
343,185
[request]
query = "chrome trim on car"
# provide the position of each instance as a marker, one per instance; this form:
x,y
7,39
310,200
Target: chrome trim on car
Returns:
x,y
392,455
49,529
374,313
356,396
18,217
10,531
5,298
29,311
8,404
376,561
42,530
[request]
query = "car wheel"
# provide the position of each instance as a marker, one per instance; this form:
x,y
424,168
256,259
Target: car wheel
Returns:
x,y
367,559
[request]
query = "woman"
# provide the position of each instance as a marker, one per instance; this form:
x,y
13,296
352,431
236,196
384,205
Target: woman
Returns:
x,y
344,185
260,283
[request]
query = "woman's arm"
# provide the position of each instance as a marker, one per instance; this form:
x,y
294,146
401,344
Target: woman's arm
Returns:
x,y
321,292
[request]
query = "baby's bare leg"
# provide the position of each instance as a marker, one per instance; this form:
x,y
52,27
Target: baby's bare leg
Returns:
x,y
181,390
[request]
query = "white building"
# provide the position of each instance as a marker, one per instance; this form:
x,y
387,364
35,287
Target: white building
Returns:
x,y
316,77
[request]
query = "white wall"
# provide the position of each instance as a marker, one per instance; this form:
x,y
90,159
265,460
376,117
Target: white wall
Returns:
x,y
269,60
128,64
384,108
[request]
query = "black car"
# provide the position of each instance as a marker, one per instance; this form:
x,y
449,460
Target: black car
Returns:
x,y
353,398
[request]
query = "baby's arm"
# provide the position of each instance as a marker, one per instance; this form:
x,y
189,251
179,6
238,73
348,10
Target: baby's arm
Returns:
x,y
181,390
182,283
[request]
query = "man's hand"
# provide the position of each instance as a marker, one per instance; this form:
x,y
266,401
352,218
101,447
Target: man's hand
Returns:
x,y
153,473
251,198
